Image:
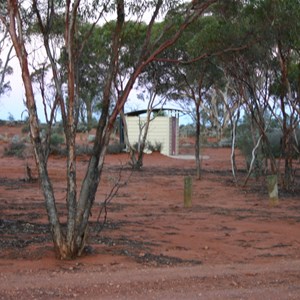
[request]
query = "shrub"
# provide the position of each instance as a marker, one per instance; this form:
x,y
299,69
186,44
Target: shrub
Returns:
x,y
91,138
58,128
188,130
135,146
82,128
225,142
154,148
115,148
15,149
62,151
56,139
26,128
274,137
83,150
157,147
244,142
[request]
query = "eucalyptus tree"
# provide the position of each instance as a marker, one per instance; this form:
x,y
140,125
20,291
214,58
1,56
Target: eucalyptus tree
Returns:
x,y
5,68
283,17
93,63
195,85
91,69
69,241
267,72
249,71
198,76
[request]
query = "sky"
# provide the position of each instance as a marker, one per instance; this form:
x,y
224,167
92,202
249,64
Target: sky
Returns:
x,y
12,103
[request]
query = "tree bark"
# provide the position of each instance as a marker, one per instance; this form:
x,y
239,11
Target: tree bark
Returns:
x,y
285,142
197,142
41,162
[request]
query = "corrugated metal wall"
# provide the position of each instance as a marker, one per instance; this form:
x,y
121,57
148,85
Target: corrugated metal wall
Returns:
x,y
160,131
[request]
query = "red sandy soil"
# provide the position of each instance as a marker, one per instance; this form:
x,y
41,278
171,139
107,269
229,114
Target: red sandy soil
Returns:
x,y
231,244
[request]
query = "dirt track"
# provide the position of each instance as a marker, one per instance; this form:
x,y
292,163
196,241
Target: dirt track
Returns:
x,y
236,281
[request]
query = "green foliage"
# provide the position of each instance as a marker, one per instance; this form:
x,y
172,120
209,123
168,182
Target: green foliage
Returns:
x,y
115,148
159,113
84,150
157,147
82,127
135,146
26,128
93,61
245,143
188,130
274,135
15,149
56,139
4,71
58,128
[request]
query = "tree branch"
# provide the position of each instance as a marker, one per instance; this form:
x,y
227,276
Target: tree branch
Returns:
x,y
206,55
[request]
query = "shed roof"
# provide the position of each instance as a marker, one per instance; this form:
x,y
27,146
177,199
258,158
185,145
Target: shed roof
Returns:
x,y
155,110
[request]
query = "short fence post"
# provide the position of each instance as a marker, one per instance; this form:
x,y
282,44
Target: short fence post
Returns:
x,y
187,191
273,189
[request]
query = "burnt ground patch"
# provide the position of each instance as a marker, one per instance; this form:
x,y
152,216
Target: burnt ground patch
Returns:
x,y
17,236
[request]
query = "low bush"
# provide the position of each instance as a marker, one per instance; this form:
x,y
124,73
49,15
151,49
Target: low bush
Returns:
x,y
274,138
56,142
84,150
58,150
56,139
26,128
15,149
157,147
115,148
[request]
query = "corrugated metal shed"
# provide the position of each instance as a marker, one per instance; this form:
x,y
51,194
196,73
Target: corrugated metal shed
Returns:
x,y
163,130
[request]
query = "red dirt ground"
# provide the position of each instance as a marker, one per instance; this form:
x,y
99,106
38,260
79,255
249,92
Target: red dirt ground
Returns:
x,y
231,244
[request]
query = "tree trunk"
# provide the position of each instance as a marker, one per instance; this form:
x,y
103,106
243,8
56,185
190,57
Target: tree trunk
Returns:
x,y
70,244
286,141
132,151
144,139
89,116
234,123
272,189
197,143
39,154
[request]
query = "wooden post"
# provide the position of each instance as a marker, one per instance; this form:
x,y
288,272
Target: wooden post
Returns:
x,y
273,189
187,191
